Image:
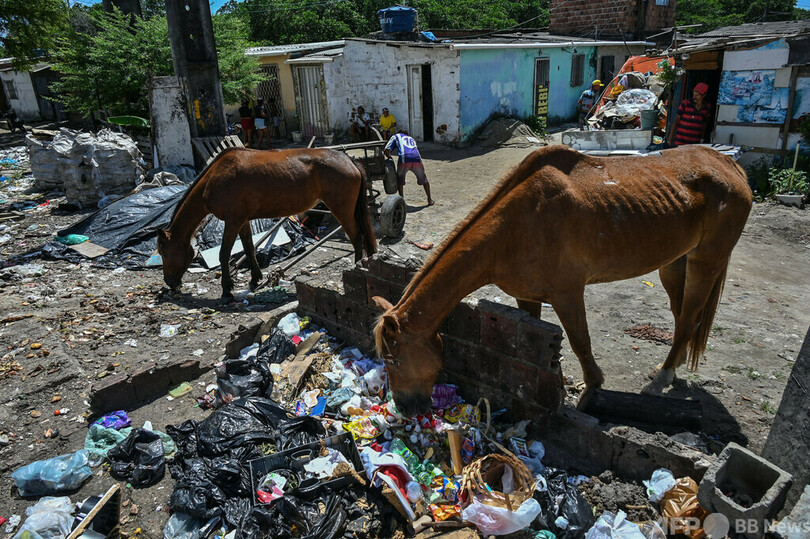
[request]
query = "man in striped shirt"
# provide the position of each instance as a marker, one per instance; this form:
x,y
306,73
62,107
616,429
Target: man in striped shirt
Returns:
x,y
692,120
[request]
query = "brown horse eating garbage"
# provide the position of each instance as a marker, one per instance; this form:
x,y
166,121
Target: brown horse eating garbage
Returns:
x,y
561,220
241,184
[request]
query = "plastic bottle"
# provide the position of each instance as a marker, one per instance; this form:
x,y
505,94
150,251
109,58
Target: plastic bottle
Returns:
x,y
411,460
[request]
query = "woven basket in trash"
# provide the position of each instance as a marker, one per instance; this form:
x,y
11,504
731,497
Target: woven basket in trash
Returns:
x,y
481,473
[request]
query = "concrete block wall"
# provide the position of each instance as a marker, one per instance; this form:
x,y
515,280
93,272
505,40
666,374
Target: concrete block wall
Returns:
x,y
609,18
490,350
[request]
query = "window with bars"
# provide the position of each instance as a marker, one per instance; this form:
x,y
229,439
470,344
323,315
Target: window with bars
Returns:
x,y
577,69
270,91
11,90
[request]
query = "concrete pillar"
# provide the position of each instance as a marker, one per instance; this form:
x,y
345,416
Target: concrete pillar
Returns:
x,y
194,53
788,444
170,122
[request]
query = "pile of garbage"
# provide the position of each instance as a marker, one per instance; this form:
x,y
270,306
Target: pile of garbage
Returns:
x,y
85,166
625,101
305,441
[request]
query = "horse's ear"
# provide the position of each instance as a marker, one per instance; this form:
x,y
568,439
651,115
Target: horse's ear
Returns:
x,y
389,322
382,304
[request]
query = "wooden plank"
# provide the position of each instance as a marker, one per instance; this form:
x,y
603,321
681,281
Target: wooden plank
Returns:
x,y
106,502
88,249
640,409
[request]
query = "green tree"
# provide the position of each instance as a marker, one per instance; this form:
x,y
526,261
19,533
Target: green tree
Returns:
x,y
278,22
238,73
30,28
712,14
110,66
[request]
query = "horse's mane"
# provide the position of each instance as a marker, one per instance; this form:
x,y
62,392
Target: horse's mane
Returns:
x,y
518,174
196,180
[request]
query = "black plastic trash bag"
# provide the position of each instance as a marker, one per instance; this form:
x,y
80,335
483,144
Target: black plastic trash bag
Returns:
x,y
308,518
276,348
300,431
251,420
138,459
562,499
194,493
238,378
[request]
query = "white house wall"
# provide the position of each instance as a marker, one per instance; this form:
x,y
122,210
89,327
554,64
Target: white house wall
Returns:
x,y
376,78
333,77
25,105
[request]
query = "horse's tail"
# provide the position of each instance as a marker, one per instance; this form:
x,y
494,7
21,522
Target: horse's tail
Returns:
x,y
361,215
698,342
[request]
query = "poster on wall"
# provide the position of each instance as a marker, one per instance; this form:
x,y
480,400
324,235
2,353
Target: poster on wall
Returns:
x,y
746,88
774,112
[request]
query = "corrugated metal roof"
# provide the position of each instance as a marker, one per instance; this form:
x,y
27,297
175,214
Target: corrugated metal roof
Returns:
x,y
741,36
274,50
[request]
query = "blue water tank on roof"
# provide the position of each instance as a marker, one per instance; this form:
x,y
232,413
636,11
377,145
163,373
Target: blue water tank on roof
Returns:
x,y
397,19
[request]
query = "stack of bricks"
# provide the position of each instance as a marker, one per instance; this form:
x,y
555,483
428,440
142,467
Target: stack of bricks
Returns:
x,y
609,18
490,350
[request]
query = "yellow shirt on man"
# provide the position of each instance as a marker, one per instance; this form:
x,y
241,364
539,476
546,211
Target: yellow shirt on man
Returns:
x,y
387,121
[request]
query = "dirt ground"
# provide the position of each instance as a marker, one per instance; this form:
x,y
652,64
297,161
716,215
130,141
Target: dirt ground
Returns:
x,y
75,323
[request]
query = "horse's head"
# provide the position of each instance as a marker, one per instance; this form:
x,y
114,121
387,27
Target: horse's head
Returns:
x,y
412,361
176,258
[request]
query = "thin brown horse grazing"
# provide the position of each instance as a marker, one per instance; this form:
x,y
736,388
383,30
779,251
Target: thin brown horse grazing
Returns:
x,y
561,220
241,184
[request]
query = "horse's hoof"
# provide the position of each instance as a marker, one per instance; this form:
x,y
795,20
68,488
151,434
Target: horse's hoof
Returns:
x,y
662,380
226,298
653,373
253,286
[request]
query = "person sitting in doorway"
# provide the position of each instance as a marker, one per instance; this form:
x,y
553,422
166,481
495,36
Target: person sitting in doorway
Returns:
x,y
692,120
409,159
388,124
360,125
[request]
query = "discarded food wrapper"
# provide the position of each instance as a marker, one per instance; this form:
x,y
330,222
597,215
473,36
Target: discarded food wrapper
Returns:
x,y
362,428
465,413
444,511
614,526
424,245
180,390
114,420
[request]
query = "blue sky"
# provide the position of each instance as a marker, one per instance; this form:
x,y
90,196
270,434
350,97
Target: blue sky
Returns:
x,y
805,4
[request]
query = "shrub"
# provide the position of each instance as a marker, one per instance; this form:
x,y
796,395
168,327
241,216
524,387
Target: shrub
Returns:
x,y
787,181
537,124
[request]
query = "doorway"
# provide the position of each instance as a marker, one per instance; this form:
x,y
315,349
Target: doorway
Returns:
x,y
541,82
310,97
420,101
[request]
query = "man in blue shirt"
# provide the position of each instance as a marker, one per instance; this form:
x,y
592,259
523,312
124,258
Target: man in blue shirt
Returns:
x,y
587,101
409,159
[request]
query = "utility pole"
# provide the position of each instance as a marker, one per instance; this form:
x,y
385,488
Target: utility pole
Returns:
x,y
194,54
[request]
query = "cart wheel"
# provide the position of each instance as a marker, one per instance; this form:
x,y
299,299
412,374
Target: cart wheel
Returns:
x,y
390,179
392,216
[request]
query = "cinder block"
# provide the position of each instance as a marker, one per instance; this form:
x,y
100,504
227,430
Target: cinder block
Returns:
x,y
485,365
398,271
538,342
464,322
499,326
377,287
326,301
305,291
456,353
744,487
518,378
354,284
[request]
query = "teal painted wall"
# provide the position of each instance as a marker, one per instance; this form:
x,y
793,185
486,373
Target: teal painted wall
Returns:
x,y
502,81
